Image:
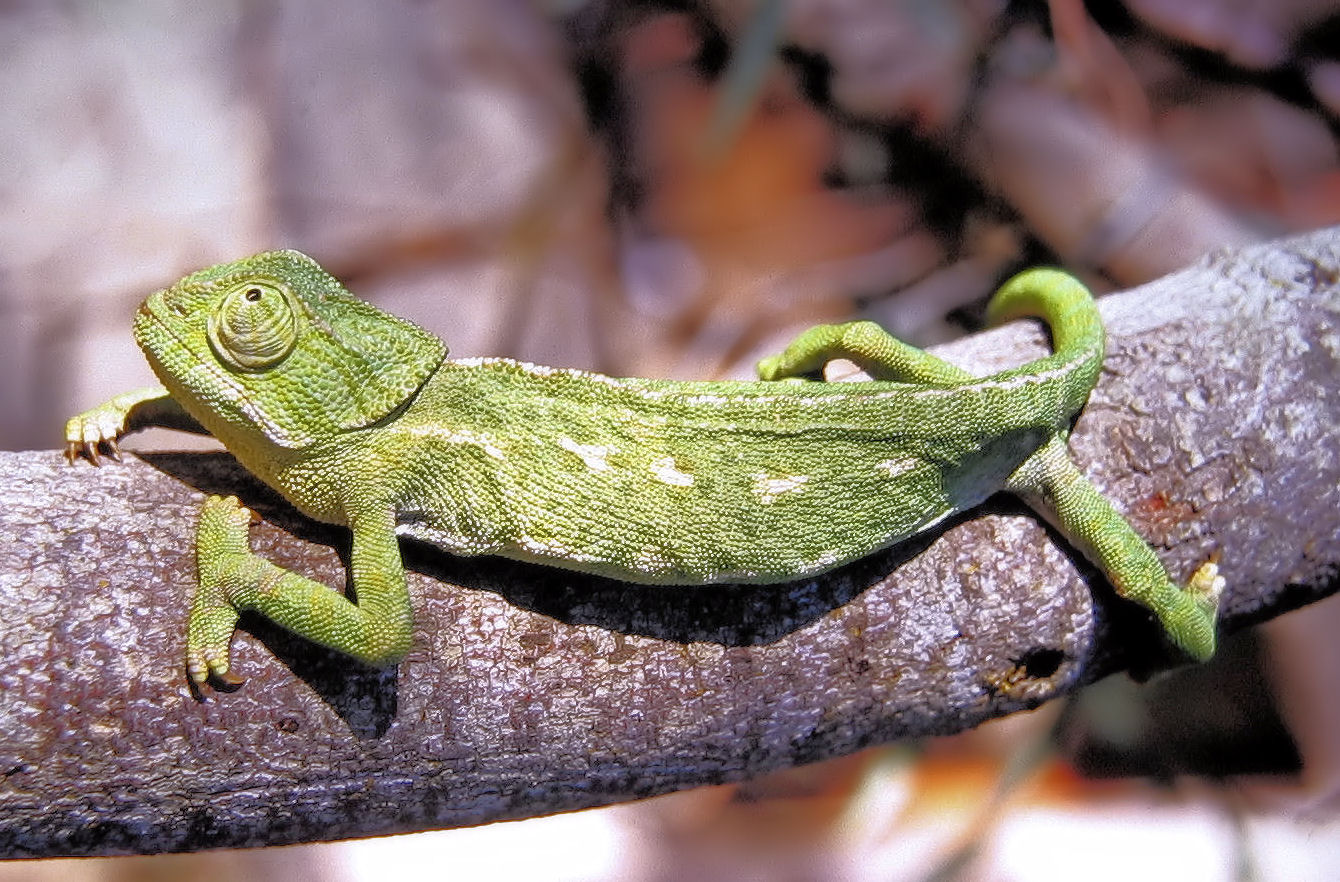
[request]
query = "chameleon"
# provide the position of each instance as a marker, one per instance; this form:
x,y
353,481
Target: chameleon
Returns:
x,y
359,418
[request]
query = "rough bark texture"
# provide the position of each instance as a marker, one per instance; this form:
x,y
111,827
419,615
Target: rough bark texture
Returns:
x,y
533,691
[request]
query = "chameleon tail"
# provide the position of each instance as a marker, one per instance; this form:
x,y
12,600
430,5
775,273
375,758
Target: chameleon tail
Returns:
x,y
1062,301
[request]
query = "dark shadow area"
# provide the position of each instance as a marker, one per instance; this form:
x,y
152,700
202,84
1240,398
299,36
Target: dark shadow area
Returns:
x,y
726,614
366,698
1218,719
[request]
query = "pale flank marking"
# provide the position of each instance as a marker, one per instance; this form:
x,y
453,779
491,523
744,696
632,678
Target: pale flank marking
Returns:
x,y
594,455
664,470
823,562
1017,381
769,488
895,467
650,559
553,548
460,436
543,371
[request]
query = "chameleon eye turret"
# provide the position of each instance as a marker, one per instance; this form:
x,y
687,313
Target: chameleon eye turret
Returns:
x,y
254,326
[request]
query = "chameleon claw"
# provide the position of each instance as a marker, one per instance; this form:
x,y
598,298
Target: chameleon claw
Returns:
x,y
199,683
97,431
1206,587
230,680
205,670
209,685
92,451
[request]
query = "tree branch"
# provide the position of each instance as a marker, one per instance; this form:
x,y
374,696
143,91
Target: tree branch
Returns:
x,y
533,691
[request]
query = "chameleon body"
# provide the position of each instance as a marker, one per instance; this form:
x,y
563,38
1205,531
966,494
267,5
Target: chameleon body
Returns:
x,y
359,418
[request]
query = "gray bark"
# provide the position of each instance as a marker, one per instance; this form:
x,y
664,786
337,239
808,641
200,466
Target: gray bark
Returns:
x,y
533,691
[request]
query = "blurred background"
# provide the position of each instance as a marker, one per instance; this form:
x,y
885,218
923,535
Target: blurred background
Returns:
x,y
673,189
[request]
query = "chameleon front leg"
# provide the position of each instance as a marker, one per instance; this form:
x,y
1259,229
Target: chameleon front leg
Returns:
x,y
103,426
377,630
1056,489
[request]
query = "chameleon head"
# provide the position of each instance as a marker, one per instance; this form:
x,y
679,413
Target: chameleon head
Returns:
x,y
272,343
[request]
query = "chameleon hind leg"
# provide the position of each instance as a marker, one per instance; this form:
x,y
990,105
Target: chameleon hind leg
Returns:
x,y
874,349
377,630
1056,489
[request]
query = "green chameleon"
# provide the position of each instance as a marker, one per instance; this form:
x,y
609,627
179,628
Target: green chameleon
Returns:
x,y
359,418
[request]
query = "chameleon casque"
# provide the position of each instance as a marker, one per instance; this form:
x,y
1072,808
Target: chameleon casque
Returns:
x,y
359,418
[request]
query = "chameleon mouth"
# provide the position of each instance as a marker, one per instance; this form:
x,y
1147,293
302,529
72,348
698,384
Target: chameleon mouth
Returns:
x,y
165,317
149,316
162,341
152,308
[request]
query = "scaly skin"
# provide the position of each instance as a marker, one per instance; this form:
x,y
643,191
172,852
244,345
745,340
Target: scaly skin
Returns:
x,y
358,418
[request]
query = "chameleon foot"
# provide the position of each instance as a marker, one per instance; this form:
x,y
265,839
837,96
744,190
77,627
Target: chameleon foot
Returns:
x,y
1190,620
1207,587
93,430
99,428
772,368
221,545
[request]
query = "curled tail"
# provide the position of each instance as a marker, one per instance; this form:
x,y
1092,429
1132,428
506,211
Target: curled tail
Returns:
x,y
1062,301
1056,488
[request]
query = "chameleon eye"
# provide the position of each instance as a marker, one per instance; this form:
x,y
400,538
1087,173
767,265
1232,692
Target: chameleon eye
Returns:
x,y
253,327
